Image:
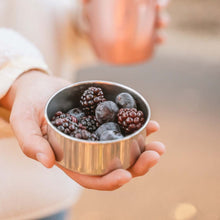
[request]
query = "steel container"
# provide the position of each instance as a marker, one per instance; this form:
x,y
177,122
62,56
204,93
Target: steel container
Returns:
x,y
94,158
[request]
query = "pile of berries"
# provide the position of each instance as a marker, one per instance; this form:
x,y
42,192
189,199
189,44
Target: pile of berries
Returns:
x,y
98,119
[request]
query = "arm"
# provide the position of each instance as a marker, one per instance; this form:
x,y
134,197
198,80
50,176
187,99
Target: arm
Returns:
x,y
26,99
22,74
16,57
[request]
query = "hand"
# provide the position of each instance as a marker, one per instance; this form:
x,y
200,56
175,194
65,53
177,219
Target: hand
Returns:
x,y
129,31
162,21
26,99
119,177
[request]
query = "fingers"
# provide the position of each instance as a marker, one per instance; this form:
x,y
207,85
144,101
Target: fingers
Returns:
x,y
146,160
28,132
162,4
161,37
152,127
156,146
152,154
85,1
163,20
109,182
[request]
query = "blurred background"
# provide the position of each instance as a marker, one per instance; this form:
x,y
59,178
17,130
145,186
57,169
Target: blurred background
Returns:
x,y
182,85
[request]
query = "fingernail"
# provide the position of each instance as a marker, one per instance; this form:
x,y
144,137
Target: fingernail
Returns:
x,y
42,158
126,178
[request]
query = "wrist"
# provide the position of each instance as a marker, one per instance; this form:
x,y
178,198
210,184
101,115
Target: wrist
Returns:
x,y
8,100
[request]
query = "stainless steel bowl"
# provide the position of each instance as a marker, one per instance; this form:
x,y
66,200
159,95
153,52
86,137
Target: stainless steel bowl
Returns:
x,y
94,158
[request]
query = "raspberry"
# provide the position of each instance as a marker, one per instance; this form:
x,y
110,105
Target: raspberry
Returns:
x,y
90,99
130,119
89,123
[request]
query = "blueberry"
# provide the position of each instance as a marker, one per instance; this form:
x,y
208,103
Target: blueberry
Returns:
x,y
77,113
110,135
125,100
106,112
107,126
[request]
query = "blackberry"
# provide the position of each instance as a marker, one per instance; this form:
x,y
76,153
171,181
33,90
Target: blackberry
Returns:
x,y
84,134
93,137
65,123
90,99
89,123
130,119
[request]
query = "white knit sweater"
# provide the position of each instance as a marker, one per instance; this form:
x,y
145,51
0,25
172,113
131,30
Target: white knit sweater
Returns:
x,y
17,55
27,189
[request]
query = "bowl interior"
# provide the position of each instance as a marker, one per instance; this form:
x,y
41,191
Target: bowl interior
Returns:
x,y
69,97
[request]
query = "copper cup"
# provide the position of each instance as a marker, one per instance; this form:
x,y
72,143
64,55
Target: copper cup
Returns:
x,y
121,31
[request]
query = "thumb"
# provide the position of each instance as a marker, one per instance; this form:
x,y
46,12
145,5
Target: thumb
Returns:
x,y
26,126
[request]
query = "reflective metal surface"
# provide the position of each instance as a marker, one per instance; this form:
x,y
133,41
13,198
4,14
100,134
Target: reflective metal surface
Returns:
x,y
94,158
121,31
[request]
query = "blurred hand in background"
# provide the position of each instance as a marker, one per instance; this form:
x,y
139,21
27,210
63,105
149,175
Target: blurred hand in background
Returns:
x,y
125,32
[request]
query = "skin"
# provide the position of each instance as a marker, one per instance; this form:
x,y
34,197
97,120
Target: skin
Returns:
x,y
162,19
26,100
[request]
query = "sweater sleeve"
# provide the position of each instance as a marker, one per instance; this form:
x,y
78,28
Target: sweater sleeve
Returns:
x,y
17,56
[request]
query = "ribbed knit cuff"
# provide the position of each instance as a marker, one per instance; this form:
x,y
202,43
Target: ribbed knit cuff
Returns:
x,y
13,69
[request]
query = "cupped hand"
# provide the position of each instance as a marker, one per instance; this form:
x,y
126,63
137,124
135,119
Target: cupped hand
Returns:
x,y
162,20
119,177
27,98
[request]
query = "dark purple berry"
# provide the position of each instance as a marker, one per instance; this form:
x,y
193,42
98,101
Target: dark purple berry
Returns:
x,y
61,128
93,137
62,116
58,113
106,112
67,131
125,100
58,122
89,123
107,126
90,99
64,122
73,127
136,120
84,134
130,119
77,113
110,135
